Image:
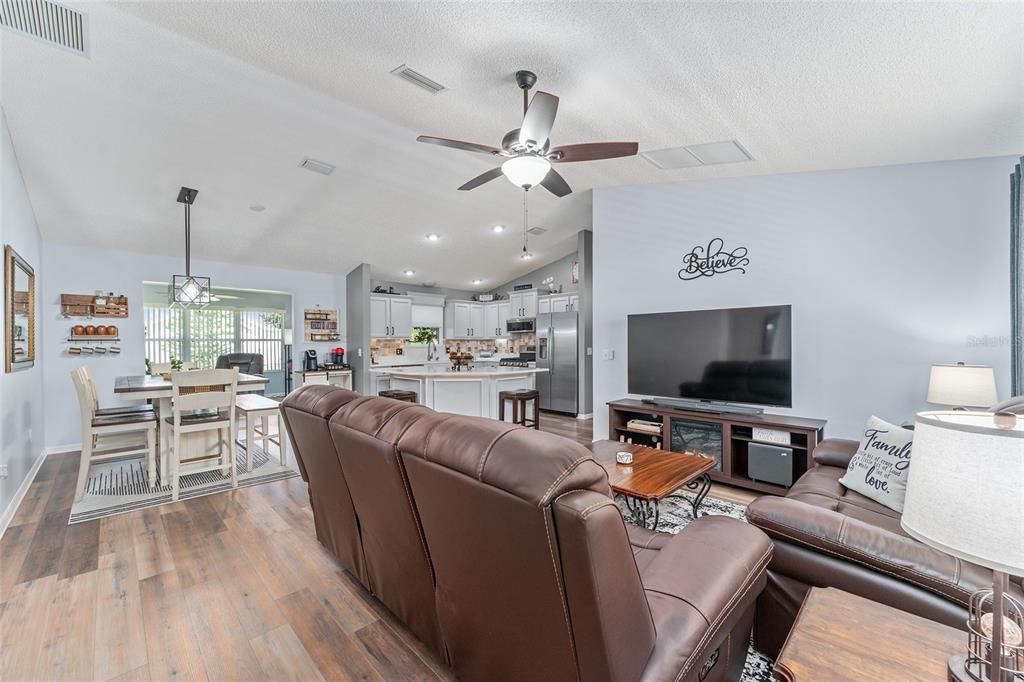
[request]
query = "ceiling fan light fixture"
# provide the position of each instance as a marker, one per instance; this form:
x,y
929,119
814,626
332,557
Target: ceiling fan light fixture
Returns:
x,y
526,255
526,171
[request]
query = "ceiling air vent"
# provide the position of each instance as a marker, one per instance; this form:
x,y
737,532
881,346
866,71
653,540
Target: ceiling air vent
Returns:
x,y
417,79
537,230
47,21
317,166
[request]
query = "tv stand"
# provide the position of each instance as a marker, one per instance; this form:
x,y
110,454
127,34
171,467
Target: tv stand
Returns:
x,y
724,435
712,406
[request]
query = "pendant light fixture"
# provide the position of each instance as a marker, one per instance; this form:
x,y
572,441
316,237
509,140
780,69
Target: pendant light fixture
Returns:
x,y
187,290
526,255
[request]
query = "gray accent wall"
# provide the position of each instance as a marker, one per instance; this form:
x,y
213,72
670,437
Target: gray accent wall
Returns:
x,y
585,288
357,304
561,269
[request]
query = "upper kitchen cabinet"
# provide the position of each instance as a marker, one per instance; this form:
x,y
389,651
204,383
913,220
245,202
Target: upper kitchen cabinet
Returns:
x,y
523,304
390,317
558,303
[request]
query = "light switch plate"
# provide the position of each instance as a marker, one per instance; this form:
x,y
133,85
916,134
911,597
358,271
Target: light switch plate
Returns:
x,y
608,354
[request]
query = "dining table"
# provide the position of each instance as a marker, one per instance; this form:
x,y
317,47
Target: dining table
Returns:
x,y
158,389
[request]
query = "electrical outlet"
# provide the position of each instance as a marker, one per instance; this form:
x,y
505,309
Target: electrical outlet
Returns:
x,y
3,471
608,354
590,351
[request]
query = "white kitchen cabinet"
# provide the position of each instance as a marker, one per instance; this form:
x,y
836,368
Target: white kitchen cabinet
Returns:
x,y
574,302
560,303
390,317
491,322
523,303
461,321
503,315
543,305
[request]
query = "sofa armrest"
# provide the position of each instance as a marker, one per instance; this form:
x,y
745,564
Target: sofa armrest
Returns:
x,y
835,452
703,582
849,539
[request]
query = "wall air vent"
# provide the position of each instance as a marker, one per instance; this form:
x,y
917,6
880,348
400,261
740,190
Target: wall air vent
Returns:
x,y
315,166
417,79
47,21
537,230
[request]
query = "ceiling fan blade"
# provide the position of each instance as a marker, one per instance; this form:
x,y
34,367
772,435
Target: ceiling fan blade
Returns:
x,y
482,179
592,151
459,144
539,118
556,184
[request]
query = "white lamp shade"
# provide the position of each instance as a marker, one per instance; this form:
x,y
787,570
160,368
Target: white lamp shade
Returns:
x,y
525,171
962,386
965,488
289,336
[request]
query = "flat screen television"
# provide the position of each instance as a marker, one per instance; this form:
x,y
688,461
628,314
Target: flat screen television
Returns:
x,y
730,355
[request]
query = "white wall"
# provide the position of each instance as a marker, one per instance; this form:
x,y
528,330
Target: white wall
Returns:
x,y
888,270
82,270
21,392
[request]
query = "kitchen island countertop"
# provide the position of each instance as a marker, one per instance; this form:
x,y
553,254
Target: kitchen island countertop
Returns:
x,y
475,373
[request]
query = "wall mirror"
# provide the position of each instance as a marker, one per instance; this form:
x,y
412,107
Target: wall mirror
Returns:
x,y
20,311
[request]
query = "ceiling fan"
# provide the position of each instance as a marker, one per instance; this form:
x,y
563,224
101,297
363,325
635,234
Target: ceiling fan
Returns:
x,y
527,150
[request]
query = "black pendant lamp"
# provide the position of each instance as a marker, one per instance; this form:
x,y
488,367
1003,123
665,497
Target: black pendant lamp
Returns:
x,y
188,290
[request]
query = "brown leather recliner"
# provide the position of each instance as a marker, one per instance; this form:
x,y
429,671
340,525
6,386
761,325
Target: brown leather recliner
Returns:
x,y
533,573
828,536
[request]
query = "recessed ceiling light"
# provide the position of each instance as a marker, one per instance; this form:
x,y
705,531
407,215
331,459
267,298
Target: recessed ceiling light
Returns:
x,y
433,237
259,208
408,273
498,228
526,255
478,281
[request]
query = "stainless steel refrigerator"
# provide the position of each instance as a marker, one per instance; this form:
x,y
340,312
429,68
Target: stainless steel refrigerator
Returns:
x,y
557,353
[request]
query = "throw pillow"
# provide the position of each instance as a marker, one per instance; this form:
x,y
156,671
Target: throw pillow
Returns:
x,y
880,467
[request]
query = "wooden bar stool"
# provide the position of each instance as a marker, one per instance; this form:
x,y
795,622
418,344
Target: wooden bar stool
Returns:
x,y
253,407
520,399
405,396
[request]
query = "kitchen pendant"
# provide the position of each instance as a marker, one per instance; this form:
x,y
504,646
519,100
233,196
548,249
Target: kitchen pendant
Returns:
x,y
188,290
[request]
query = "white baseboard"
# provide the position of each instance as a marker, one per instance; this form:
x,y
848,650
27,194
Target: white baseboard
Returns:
x,y
8,514
585,416
61,449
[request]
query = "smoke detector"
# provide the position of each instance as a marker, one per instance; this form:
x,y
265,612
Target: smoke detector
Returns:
x,y
49,22
537,230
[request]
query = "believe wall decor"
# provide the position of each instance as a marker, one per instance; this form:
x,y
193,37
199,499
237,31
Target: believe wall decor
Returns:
x,y
713,260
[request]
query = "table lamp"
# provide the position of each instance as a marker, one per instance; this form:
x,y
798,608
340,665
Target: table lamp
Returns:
x,y
962,386
965,497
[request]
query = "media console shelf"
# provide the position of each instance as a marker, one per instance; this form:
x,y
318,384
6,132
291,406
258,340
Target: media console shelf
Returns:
x,y
724,436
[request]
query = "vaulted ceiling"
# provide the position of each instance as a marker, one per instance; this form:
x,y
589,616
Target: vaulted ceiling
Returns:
x,y
229,97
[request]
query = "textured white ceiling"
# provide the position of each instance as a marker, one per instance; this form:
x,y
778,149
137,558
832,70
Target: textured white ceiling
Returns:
x,y
228,97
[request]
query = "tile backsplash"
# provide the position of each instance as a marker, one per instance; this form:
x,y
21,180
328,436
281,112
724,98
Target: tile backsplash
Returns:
x,y
381,348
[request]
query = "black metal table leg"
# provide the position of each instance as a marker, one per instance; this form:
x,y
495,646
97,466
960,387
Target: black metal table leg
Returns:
x,y
703,486
643,511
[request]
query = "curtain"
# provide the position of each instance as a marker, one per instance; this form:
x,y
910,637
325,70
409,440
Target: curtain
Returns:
x,y
1017,280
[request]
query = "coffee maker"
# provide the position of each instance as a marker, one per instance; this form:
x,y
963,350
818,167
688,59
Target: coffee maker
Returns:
x,y
310,362
338,356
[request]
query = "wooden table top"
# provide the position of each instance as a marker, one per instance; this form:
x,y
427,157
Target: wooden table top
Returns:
x,y
654,474
841,637
146,382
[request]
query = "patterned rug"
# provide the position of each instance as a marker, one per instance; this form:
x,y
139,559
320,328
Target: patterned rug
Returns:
x,y
675,515
122,486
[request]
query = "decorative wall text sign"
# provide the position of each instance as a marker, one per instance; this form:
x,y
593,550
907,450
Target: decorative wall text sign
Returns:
x,y
713,260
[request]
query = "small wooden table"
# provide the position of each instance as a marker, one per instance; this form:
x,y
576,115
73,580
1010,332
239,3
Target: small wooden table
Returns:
x,y
841,637
653,476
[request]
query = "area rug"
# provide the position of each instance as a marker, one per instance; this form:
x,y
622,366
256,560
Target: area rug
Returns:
x,y
675,514
122,486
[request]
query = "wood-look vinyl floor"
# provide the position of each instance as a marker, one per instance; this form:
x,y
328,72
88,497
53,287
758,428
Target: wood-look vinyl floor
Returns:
x,y
224,587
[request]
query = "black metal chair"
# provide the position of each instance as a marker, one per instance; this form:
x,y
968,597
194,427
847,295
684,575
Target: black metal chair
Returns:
x,y
247,363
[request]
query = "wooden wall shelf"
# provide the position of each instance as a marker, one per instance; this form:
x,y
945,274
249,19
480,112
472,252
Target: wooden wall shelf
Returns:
x,y
729,436
321,324
89,305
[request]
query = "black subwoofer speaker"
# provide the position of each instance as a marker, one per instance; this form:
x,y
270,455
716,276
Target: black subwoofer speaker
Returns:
x,y
770,464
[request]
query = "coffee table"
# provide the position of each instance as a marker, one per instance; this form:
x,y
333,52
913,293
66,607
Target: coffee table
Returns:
x,y
652,477
841,637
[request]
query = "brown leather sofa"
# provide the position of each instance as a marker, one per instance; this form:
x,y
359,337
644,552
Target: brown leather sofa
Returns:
x,y
828,536
501,547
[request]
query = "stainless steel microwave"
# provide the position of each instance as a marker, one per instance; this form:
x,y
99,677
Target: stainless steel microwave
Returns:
x,y
521,326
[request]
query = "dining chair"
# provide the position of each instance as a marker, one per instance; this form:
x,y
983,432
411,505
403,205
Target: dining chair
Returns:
x,y
158,368
111,436
202,400
86,374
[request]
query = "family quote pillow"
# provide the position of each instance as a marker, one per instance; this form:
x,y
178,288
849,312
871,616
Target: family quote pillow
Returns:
x,y
880,467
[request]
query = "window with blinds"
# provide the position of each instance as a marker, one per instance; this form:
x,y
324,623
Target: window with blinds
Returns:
x,y
201,335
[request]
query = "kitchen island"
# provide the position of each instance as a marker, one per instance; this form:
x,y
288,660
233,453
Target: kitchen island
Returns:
x,y
472,392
